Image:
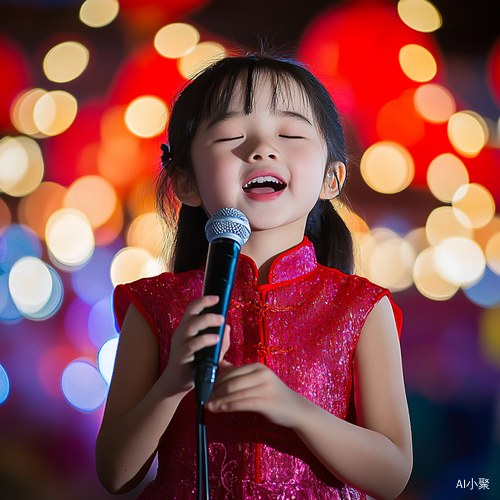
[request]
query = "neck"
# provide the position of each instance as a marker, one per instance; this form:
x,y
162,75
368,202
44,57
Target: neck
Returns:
x,y
264,246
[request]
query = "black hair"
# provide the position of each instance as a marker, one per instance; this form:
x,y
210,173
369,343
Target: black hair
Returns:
x,y
209,95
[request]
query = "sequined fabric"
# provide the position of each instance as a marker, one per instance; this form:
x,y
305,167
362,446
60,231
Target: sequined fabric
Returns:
x,y
304,325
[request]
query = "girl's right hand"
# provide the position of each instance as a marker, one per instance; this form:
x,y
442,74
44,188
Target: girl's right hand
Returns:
x,y
178,375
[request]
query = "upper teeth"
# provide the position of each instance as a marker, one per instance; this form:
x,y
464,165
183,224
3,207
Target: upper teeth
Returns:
x,y
260,180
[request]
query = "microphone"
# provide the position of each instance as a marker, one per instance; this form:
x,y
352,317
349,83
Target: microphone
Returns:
x,y
227,231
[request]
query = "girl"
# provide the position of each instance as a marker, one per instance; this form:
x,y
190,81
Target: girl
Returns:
x,y
309,401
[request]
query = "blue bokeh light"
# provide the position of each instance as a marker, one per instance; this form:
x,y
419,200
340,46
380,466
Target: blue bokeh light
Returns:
x,y
55,299
101,325
4,385
83,386
106,358
485,293
93,281
16,242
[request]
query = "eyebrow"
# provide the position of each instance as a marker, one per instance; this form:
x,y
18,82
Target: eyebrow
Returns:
x,y
231,114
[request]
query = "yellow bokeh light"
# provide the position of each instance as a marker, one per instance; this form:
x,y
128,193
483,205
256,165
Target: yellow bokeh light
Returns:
x,y
21,165
460,261
419,15
427,280
93,196
69,237
98,13
132,263
489,334
434,103
387,167
417,238
483,234
54,112
65,62
492,253
111,229
146,116
202,56
417,63
141,199
476,202
390,261
445,175
118,158
13,162
22,112
146,232
30,285
176,40
36,208
467,132
443,223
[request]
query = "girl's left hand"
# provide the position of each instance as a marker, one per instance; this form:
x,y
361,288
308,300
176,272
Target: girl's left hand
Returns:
x,y
254,388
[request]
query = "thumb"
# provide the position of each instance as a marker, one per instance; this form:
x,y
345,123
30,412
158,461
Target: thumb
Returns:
x,y
226,342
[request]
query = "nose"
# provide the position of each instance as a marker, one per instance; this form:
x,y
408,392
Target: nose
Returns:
x,y
263,151
257,156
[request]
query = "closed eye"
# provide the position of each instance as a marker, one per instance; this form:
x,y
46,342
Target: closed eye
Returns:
x,y
290,136
230,139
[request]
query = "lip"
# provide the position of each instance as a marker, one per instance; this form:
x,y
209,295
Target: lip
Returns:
x,y
264,196
264,173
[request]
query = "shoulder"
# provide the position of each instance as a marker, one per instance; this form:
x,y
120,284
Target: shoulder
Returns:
x,y
148,294
352,282
363,293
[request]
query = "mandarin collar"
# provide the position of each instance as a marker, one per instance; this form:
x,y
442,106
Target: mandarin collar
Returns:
x,y
288,266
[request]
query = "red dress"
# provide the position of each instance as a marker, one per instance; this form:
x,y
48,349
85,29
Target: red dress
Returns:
x,y
304,325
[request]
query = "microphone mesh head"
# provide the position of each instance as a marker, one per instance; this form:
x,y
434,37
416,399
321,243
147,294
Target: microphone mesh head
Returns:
x,y
228,223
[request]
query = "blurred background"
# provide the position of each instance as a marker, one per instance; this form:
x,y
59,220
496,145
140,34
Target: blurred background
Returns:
x,y
84,93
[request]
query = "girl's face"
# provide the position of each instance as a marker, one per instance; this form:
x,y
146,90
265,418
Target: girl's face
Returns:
x,y
269,164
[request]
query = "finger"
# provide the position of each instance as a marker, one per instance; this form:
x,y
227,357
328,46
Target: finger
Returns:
x,y
199,323
198,343
237,379
241,371
226,341
195,307
246,400
224,364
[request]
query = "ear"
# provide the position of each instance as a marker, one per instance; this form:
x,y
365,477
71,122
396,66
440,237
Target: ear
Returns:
x,y
334,180
185,189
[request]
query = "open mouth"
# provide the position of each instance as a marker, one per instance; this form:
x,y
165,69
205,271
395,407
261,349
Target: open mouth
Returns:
x,y
264,185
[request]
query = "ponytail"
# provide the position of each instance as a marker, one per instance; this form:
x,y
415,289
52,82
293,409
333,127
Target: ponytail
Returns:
x,y
330,236
191,245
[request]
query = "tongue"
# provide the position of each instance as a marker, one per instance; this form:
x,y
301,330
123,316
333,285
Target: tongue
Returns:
x,y
261,190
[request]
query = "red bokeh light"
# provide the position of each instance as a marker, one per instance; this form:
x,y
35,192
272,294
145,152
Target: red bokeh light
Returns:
x,y
73,153
145,72
493,71
354,50
16,77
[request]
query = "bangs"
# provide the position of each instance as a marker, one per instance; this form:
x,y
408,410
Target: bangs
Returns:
x,y
241,84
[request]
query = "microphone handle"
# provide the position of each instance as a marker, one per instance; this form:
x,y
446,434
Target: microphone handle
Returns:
x,y
220,273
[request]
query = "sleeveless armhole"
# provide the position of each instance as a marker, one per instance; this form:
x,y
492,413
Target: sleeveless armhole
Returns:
x,y
398,314
122,298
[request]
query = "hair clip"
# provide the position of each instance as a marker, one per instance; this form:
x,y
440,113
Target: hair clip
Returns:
x,y
166,155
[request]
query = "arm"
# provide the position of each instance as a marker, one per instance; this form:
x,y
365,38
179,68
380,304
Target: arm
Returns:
x,y
141,404
374,456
